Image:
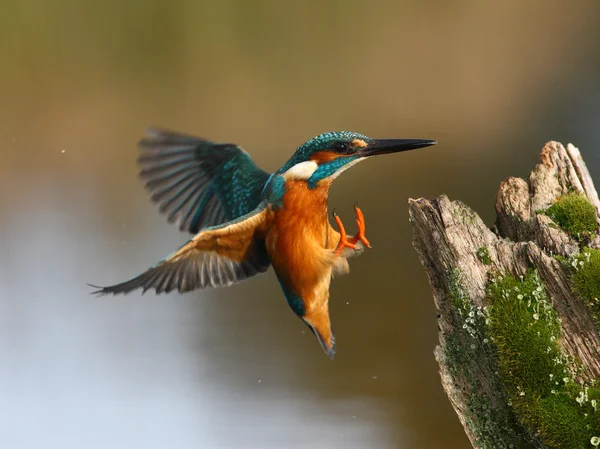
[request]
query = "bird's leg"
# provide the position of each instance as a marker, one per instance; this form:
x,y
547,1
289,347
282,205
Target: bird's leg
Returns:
x,y
360,235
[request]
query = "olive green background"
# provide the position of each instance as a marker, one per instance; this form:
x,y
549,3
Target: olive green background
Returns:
x,y
234,368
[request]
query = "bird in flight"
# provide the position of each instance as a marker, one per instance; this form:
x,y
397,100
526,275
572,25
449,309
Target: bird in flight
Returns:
x,y
244,220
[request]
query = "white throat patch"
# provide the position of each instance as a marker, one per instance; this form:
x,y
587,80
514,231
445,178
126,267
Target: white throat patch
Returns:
x,y
301,171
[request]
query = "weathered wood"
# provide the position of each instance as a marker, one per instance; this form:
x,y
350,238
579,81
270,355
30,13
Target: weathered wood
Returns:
x,y
447,238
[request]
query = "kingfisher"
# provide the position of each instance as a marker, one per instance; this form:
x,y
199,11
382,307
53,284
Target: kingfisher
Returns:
x,y
244,220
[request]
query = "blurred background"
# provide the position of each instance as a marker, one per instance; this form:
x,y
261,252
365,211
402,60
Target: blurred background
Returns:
x,y
234,368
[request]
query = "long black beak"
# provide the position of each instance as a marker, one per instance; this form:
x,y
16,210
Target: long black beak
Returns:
x,y
386,146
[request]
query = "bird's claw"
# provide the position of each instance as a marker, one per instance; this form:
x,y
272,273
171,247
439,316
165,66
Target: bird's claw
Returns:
x,y
360,221
360,235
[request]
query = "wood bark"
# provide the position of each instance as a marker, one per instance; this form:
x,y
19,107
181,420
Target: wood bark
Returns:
x,y
448,235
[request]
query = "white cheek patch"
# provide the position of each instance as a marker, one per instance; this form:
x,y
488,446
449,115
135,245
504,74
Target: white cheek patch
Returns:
x,y
346,167
301,171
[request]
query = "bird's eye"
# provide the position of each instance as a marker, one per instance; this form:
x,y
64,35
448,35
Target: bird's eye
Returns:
x,y
340,147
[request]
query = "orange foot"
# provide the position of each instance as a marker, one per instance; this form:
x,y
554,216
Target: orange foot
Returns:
x,y
360,235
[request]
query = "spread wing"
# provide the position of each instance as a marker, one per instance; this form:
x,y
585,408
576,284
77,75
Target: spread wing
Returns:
x,y
196,182
215,257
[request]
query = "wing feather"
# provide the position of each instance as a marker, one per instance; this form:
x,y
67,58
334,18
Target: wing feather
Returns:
x,y
218,256
196,182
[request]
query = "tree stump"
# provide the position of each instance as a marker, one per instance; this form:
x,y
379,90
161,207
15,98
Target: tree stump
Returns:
x,y
518,309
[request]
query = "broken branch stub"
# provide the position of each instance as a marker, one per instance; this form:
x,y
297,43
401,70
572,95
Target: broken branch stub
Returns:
x,y
461,256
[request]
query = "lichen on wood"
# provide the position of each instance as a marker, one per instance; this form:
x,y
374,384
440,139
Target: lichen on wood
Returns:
x,y
519,342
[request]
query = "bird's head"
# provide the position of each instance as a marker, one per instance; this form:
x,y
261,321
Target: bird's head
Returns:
x,y
325,157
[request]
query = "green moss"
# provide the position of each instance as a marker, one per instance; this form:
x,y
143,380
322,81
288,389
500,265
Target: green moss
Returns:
x,y
483,254
525,330
458,297
585,277
561,422
469,357
495,427
575,215
562,259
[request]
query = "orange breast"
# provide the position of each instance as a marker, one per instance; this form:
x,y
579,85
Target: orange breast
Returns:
x,y
298,238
